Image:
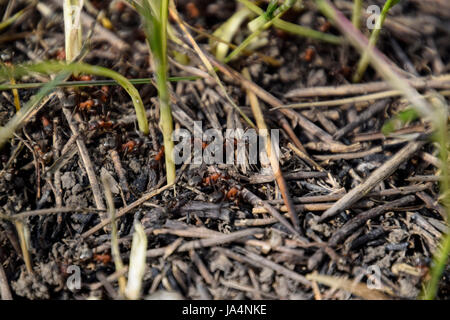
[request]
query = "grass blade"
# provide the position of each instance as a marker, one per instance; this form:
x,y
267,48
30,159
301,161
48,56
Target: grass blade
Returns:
x,y
52,67
72,28
137,263
364,60
16,122
155,15
114,237
294,28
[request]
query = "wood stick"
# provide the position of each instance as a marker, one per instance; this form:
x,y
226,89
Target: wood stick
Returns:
x,y
270,151
256,201
56,154
68,104
383,193
125,210
254,291
5,292
363,117
209,242
441,82
370,136
259,261
355,223
257,179
57,210
374,179
350,155
204,272
427,178
433,204
120,172
314,207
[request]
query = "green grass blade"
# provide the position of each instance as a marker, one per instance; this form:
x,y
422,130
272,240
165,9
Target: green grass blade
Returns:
x,y
91,83
263,22
16,122
441,256
364,60
294,28
356,15
155,16
53,67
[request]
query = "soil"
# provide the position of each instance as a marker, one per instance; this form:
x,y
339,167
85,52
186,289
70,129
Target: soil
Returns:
x,y
211,201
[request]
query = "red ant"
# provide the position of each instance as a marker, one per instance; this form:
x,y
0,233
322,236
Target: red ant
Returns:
x,y
84,78
94,99
212,179
130,145
101,124
48,128
232,193
325,26
160,154
309,54
88,105
103,258
192,10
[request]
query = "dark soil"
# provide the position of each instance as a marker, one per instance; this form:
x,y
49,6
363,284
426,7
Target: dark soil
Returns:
x,y
399,241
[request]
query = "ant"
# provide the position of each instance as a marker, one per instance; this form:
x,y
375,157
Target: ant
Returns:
x,y
325,26
309,54
131,145
47,125
232,194
93,100
160,154
103,258
212,179
220,180
88,105
102,124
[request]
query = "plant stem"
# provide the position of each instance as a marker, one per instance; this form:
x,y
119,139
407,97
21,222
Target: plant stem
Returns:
x,y
441,256
228,30
294,28
7,22
356,15
137,263
91,83
7,131
78,67
263,131
166,122
364,60
155,16
115,251
21,231
267,21
72,28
